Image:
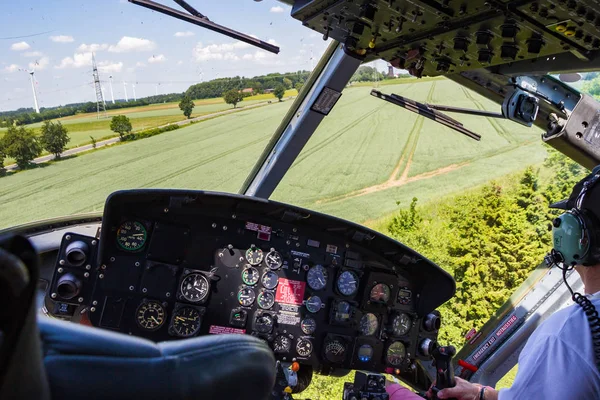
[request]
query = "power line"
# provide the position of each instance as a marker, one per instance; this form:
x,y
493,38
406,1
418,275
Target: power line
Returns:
x,y
26,36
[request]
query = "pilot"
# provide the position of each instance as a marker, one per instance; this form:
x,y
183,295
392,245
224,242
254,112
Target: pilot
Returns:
x,y
561,359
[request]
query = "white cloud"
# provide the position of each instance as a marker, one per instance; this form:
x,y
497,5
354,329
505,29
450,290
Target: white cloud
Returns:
x,y
157,59
109,67
32,54
94,47
129,44
223,51
140,64
273,42
11,68
62,39
180,62
184,34
277,9
77,61
20,46
262,57
41,63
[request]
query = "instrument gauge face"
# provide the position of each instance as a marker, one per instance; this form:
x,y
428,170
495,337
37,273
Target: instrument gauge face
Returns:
x,y
308,326
380,293
270,280
186,321
131,235
273,260
347,283
304,347
264,323
401,324
150,315
313,304
365,353
250,276
194,287
343,311
335,351
317,277
254,255
369,324
246,296
396,354
265,299
282,344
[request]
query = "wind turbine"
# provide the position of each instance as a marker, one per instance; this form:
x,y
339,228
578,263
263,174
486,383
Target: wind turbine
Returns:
x,y
35,100
112,95
134,96
125,89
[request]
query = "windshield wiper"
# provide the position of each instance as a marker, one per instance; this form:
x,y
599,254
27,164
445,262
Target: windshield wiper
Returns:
x,y
426,111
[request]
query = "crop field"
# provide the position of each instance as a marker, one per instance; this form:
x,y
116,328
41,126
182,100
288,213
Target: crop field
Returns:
x,y
365,156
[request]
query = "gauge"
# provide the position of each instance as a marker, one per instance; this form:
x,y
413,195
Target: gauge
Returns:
x,y
313,304
308,325
264,323
250,276
404,295
265,299
194,287
282,344
150,315
273,260
131,235
369,324
186,321
270,280
401,324
335,351
380,293
317,277
246,296
343,311
304,347
254,255
347,283
365,353
395,354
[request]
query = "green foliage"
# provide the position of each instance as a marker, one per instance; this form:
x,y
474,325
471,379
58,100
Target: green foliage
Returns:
x,y
186,105
279,91
591,87
298,86
233,96
21,144
367,74
288,83
93,142
153,132
121,125
54,138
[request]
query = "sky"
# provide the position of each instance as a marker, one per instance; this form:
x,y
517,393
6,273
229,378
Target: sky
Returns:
x,y
148,50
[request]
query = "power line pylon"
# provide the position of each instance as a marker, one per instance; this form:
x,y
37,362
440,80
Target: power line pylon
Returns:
x,y
100,104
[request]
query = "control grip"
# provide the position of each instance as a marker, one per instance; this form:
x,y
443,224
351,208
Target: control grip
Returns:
x,y
444,368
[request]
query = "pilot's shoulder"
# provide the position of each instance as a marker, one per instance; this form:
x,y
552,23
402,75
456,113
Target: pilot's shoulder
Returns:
x,y
566,321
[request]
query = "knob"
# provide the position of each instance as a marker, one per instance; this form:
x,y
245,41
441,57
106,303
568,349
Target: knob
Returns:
x,y
432,322
68,286
426,346
76,253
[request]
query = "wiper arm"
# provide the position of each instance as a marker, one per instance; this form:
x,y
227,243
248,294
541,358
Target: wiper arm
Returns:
x,y
469,111
426,111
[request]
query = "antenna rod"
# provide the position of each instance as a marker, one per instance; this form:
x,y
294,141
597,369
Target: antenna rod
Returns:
x,y
35,100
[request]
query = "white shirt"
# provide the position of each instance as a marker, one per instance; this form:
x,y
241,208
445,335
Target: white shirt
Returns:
x,y
558,360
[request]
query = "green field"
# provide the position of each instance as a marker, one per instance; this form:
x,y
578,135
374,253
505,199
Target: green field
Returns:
x,y
365,156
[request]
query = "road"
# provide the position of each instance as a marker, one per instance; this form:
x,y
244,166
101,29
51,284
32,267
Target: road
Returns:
x,y
113,140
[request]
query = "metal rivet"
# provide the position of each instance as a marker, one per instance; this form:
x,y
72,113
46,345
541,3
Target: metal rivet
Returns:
x,y
297,244
95,302
234,216
214,225
94,242
241,258
93,309
101,276
144,290
88,267
137,263
80,299
53,295
112,259
287,242
224,227
168,294
60,270
294,230
68,237
86,275
347,246
62,262
166,210
103,267
131,287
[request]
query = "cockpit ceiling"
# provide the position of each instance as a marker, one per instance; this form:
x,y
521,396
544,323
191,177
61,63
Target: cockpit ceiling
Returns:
x,y
436,37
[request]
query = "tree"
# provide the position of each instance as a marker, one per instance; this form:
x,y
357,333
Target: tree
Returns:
x,y
366,74
299,86
21,144
288,83
233,96
121,125
54,138
279,91
186,105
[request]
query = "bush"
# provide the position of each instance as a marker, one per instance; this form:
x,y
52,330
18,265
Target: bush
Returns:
x,y
21,144
155,131
121,125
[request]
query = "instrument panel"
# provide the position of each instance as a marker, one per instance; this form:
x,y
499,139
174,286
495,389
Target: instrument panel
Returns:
x,y
324,292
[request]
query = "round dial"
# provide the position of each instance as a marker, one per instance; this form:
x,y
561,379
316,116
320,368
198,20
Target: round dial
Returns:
x,y
395,354
254,255
131,235
194,287
250,276
246,296
335,351
304,347
317,277
313,304
282,344
365,353
264,323
343,311
186,321
273,260
270,280
150,315
347,283
401,324
308,325
368,324
265,299
380,293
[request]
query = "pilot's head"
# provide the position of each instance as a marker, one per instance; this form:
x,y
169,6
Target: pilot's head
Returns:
x,y
576,233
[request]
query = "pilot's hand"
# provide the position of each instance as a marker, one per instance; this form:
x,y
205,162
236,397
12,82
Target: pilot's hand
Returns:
x,y
464,390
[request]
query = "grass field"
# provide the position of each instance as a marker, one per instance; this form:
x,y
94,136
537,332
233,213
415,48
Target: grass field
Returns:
x,y
365,156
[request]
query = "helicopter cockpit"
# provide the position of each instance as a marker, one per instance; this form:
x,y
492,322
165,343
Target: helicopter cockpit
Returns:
x,y
325,295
